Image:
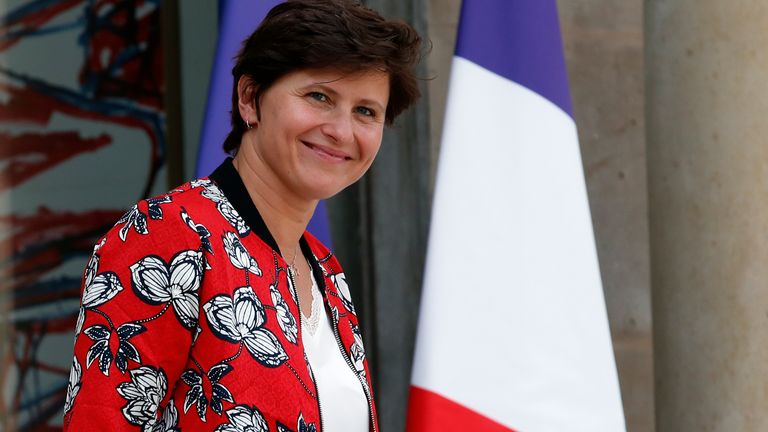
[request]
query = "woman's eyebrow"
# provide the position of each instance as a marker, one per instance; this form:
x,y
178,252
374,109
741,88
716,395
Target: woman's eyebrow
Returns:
x,y
373,103
322,85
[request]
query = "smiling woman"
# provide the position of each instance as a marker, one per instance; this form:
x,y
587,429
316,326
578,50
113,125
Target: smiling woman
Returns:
x,y
318,132
238,319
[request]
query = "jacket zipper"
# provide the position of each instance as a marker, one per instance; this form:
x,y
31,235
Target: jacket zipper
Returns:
x,y
311,374
351,366
335,327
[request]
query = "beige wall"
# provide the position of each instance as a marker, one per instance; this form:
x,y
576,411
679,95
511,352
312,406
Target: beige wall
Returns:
x,y
708,182
603,42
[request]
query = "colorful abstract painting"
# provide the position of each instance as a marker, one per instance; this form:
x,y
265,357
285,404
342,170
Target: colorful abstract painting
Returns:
x,y
82,133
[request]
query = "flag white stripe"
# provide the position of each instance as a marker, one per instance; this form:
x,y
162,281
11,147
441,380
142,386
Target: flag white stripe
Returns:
x,y
513,321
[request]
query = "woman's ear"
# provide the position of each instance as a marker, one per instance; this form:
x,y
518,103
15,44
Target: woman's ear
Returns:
x,y
246,103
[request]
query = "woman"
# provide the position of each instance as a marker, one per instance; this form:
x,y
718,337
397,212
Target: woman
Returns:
x,y
210,308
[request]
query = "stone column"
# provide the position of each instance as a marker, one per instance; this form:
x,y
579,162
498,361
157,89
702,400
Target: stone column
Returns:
x,y
707,134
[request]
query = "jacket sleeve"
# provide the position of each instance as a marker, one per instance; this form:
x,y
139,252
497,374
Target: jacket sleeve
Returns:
x,y
138,316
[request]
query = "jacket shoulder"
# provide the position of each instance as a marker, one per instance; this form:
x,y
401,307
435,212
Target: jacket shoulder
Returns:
x,y
323,254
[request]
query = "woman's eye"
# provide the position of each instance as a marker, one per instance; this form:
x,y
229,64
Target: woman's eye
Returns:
x,y
365,111
318,96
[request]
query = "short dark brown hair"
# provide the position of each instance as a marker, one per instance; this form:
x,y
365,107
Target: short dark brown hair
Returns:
x,y
341,34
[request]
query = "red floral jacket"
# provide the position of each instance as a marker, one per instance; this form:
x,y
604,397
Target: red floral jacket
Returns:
x,y
189,322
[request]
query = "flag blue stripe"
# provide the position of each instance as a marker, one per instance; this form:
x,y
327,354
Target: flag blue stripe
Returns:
x,y
238,19
519,40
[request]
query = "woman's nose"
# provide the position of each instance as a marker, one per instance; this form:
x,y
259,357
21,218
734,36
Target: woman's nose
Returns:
x,y
339,127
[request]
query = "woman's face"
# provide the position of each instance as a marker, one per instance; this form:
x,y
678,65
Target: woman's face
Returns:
x,y
319,130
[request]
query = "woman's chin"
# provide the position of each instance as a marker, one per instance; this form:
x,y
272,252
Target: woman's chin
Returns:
x,y
321,191
325,183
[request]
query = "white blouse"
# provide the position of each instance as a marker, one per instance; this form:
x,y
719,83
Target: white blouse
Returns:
x,y
343,406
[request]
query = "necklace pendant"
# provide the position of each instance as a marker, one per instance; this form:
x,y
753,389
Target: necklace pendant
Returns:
x,y
292,265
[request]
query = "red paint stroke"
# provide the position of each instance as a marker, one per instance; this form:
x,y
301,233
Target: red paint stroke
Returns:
x,y
61,232
118,36
29,106
25,105
32,21
38,243
28,360
30,154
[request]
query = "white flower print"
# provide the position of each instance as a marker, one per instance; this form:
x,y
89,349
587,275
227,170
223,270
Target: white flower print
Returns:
x,y
80,321
169,421
233,217
155,282
240,319
213,193
238,255
244,419
99,245
99,287
196,183
292,289
73,387
358,337
285,318
92,267
357,353
339,280
144,393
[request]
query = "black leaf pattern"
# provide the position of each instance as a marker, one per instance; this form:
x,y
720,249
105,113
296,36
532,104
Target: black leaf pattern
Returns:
x,y
125,349
196,396
285,318
153,206
201,231
100,349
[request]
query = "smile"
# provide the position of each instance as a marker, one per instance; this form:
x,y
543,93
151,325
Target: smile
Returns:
x,y
326,153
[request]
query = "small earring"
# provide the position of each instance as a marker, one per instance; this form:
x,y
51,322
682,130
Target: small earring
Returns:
x,y
248,125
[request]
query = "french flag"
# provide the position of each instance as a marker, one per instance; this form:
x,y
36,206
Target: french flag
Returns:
x,y
513,334
237,20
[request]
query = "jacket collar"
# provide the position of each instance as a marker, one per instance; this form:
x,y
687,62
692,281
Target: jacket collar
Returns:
x,y
228,180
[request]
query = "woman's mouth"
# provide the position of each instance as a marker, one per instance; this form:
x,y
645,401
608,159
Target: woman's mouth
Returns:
x,y
327,153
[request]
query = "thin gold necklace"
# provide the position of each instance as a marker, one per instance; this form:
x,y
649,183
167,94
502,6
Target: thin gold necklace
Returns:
x,y
292,266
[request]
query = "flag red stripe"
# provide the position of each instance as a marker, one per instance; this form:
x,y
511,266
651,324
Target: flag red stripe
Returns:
x,y
428,412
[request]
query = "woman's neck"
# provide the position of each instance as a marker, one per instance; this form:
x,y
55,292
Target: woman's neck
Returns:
x,y
286,217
